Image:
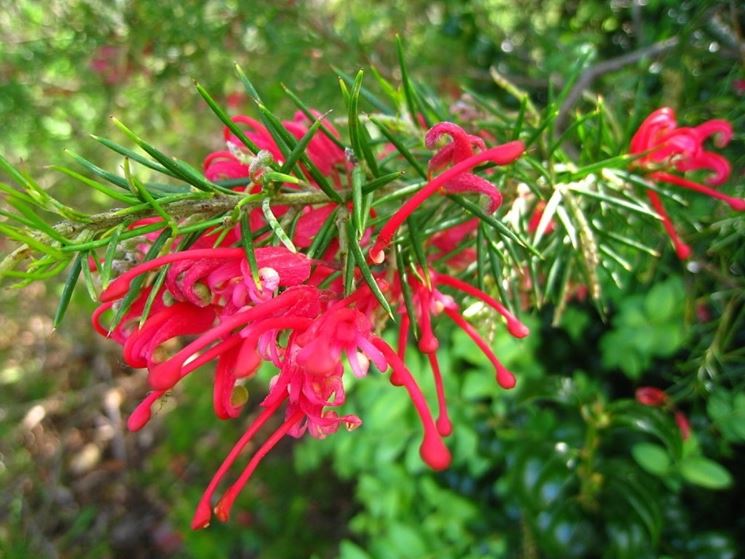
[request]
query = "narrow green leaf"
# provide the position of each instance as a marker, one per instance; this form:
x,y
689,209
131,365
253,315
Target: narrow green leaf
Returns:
x,y
617,162
388,88
137,283
110,254
180,168
138,187
17,195
90,284
357,133
400,148
569,129
311,116
20,237
134,156
323,237
111,193
354,244
480,257
348,272
496,270
96,170
283,136
226,120
373,185
366,93
551,115
357,202
247,241
552,276
52,268
614,201
247,83
302,144
414,227
37,195
154,289
520,118
402,192
412,104
500,227
276,226
67,289
16,175
32,220
406,290
573,75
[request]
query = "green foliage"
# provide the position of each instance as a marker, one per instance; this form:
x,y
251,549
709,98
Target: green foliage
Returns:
x,y
648,326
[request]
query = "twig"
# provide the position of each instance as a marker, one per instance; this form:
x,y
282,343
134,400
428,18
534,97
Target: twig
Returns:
x,y
605,67
216,205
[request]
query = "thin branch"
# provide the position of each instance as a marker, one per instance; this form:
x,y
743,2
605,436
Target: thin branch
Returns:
x,y
218,204
606,67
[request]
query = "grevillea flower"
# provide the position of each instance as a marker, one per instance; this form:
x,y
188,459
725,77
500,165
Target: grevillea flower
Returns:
x,y
456,179
297,315
663,145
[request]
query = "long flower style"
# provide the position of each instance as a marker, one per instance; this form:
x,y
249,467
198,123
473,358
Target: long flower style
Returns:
x,y
662,145
297,316
456,179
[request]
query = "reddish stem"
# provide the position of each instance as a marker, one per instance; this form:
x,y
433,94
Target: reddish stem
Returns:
x,y
222,510
737,204
515,327
682,250
504,377
203,514
433,449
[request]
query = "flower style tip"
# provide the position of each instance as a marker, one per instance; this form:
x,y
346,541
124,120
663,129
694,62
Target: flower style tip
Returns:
x,y
143,412
506,378
202,517
516,328
434,452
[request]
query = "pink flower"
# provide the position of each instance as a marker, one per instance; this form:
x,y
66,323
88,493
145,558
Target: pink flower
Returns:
x,y
663,145
456,179
297,315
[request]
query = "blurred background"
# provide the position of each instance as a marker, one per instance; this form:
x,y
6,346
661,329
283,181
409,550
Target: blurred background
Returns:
x,y
567,465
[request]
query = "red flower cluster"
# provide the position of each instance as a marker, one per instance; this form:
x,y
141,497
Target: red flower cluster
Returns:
x,y
662,145
297,316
